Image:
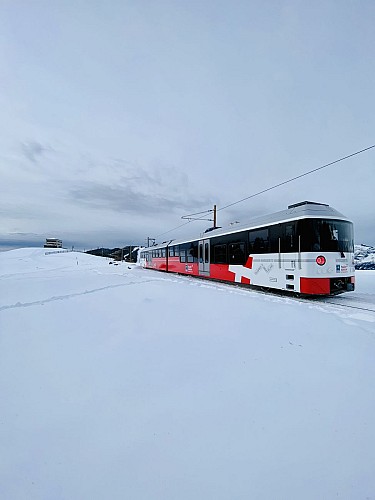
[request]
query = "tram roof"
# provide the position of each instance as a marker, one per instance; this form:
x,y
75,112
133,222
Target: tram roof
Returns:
x,y
296,211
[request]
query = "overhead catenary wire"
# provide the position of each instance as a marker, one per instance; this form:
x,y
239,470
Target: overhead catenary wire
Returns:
x,y
197,213
274,187
185,223
170,230
295,178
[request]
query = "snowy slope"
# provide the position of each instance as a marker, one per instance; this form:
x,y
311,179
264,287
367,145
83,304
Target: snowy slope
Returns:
x,y
364,257
118,382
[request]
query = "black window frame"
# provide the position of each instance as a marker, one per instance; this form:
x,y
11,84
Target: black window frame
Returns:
x,y
259,241
320,235
237,254
182,254
220,253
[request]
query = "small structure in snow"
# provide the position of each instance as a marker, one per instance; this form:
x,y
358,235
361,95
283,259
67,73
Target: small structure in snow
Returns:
x,y
53,243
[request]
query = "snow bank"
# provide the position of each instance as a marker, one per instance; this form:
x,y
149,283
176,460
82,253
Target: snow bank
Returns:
x,y
118,382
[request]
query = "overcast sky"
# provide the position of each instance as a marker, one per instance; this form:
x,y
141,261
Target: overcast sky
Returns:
x,y
119,117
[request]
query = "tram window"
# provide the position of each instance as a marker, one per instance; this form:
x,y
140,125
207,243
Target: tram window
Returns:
x,y
171,251
329,235
163,252
220,254
206,253
259,241
176,250
192,255
305,232
237,253
182,254
276,236
201,253
319,235
289,242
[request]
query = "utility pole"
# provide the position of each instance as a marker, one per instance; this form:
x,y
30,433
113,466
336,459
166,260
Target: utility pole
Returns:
x,y
214,215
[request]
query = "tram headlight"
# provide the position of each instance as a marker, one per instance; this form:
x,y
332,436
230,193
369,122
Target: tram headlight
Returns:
x,y
320,260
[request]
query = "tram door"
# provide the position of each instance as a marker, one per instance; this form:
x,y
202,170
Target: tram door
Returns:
x,y
204,257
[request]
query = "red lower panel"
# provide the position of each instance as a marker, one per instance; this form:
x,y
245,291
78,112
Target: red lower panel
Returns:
x,y
249,262
175,266
160,264
220,272
315,286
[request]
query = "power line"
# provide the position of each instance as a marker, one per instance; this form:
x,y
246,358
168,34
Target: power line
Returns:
x,y
295,178
191,216
197,213
185,223
166,232
272,187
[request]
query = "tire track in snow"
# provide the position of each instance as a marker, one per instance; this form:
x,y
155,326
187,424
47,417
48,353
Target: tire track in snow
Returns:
x,y
71,295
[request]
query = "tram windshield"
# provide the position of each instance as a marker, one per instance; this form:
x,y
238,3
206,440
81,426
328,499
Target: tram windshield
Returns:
x,y
326,235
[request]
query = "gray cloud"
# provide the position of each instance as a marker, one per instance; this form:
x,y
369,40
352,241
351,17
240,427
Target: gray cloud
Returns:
x,y
33,150
15,240
127,199
123,186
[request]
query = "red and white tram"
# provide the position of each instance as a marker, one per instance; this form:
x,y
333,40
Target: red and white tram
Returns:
x,y
306,249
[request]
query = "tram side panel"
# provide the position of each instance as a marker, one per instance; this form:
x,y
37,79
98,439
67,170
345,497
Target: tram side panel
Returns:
x,y
175,266
268,271
290,272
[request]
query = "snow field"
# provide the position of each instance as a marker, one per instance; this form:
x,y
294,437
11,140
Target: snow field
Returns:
x,y
127,383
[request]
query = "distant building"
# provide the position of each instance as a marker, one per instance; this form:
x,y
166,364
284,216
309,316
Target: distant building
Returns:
x,y
53,243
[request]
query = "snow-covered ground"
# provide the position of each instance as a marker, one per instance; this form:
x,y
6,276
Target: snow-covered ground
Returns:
x,y
364,257
122,383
